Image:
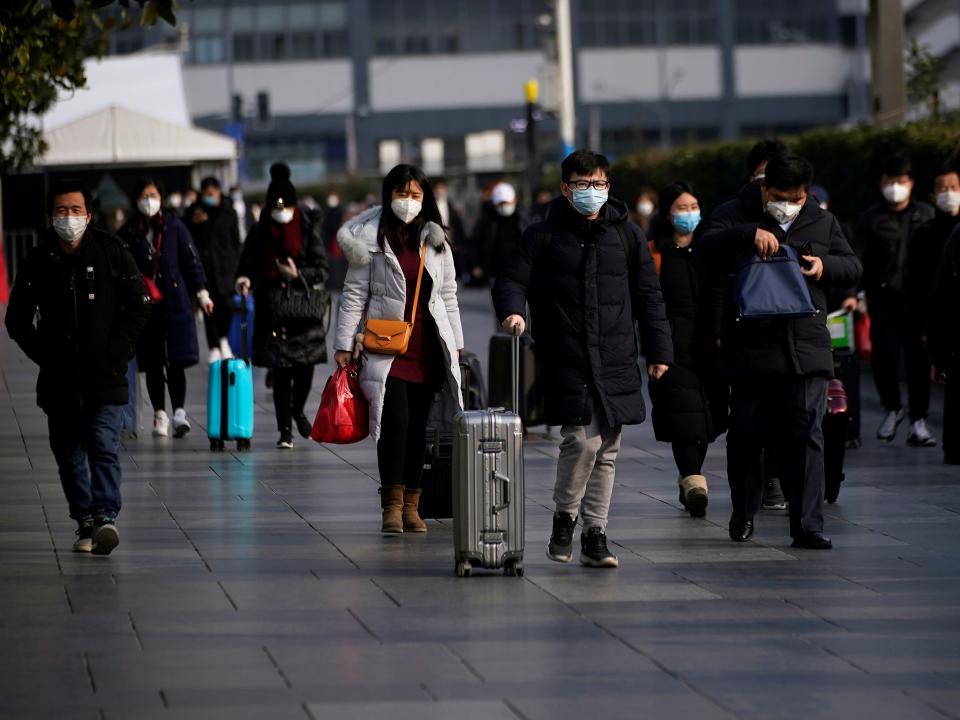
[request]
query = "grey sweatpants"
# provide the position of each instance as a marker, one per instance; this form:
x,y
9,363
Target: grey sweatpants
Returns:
x,y
585,470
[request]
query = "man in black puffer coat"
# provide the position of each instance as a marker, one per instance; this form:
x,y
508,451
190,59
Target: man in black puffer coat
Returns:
x,y
588,276
76,309
778,368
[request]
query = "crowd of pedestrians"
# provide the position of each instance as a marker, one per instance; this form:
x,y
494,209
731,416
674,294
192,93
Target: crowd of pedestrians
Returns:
x,y
614,296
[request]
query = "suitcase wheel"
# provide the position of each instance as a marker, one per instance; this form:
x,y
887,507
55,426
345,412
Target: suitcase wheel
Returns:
x,y
243,445
513,568
216,445
464,568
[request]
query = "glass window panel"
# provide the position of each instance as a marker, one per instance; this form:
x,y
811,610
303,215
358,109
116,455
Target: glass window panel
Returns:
x,y
207,20
273,46
270,18
333,15
385,46
241,18
302,16
244,47
303,44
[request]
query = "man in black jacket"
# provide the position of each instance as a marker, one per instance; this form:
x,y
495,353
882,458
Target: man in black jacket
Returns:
x,y
588,276
92,305
944,342
882,239
778,368
215,228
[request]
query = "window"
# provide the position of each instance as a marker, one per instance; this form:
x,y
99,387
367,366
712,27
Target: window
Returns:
x,y
606,23
453,26
303,44
206,50
785,21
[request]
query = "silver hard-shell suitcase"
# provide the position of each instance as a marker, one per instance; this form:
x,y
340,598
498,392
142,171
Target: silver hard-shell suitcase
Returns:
x,y
488,489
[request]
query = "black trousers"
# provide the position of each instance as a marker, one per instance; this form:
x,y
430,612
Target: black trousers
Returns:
x,y
896,330
160,378
403,432
291,386
786,412
216,325
951,414
689,456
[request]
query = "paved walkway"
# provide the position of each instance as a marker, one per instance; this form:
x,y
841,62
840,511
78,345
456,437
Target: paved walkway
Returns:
x,y
257,586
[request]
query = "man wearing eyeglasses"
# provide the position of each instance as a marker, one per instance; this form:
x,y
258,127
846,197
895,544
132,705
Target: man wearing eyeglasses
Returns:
x,y
77,307
589,280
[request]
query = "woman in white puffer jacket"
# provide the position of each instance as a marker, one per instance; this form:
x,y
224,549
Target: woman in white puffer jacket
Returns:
x,y
382,247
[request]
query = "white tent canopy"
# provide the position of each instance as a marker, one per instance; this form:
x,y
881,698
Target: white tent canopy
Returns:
x,y
118,136
149,82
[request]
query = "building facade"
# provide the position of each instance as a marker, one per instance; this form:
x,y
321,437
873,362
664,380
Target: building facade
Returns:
x,y
353,85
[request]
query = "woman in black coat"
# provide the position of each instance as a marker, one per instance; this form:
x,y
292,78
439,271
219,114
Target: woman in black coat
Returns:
x,y
284,258
167,257
689,402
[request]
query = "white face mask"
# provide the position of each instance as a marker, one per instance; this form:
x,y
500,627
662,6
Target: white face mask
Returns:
x,y
149,206
406,209
645,208
948,201
783,212
506,210
282,215
70,228
896,193
175,200
333,201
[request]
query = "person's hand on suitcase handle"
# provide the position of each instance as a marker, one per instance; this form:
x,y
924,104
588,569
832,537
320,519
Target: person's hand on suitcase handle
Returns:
x,y
514,324
243,285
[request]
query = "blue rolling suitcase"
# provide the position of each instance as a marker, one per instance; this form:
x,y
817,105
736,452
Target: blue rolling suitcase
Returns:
x,y
230,395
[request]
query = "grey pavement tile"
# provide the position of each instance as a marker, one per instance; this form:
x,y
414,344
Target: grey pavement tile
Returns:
x,y
415,710
258,584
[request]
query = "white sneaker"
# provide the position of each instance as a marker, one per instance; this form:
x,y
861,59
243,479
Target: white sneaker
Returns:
x,y
161,424
919,435
181,426
215,356
888,428
225,350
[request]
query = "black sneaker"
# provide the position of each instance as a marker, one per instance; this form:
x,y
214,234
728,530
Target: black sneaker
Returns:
x,y
84,541
561,539
303,425
286,441
105,535
593,550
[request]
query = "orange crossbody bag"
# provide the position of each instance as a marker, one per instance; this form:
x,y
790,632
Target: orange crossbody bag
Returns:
x,y
391,337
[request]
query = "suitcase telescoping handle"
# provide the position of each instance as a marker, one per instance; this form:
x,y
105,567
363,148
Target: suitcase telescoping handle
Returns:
x,y
515,369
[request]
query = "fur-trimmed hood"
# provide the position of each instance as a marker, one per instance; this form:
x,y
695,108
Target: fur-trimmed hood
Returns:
x,y
358,236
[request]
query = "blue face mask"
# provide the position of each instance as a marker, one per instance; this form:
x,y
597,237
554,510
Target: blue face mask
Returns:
x,y
209,200
686,222
589,201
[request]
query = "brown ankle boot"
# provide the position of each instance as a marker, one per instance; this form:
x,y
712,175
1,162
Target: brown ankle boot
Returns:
x,y
391,500
411,517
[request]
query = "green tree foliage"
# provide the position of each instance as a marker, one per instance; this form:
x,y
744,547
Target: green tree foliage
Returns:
x,y
923,77
846,162
42,48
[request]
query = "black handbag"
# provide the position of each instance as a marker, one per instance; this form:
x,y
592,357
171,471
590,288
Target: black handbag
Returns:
x,y
299,302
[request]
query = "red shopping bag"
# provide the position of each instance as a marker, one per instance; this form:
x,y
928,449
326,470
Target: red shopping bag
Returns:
x,y
343,414
861,330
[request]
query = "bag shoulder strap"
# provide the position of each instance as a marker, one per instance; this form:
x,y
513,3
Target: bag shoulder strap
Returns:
x,y
416,294
156,257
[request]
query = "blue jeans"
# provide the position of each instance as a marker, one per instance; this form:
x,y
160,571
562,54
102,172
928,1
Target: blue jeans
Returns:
x,y
85,447
131,422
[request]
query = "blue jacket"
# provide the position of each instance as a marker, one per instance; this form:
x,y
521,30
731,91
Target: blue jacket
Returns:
x,y
171,335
